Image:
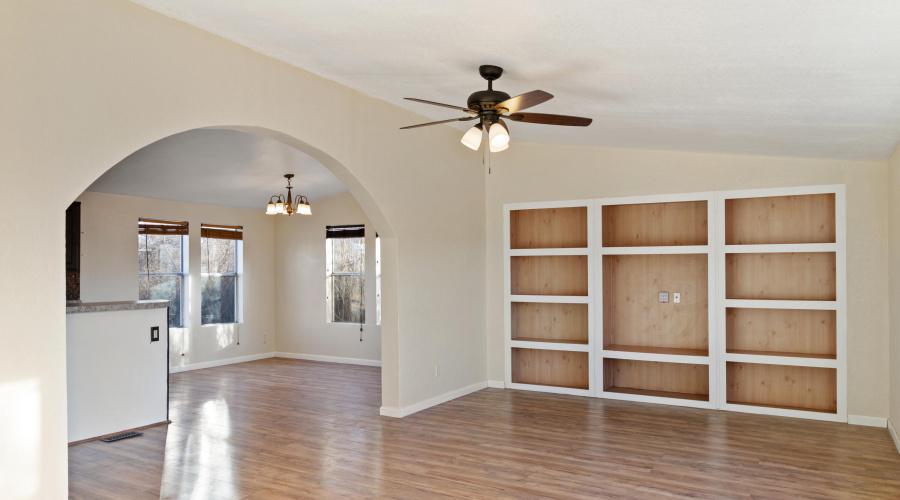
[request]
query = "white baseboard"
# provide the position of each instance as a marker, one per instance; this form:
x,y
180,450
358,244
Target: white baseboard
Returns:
x,y
890,426
329,359
867,421
390,411
220,362
393,411
497,384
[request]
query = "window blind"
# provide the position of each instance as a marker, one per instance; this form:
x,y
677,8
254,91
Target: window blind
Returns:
x,y
222,232
163,227
349,231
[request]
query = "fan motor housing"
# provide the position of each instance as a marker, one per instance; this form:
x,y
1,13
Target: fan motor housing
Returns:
x,y
485,99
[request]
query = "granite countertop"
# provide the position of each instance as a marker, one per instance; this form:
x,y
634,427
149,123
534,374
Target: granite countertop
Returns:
x,y
123,305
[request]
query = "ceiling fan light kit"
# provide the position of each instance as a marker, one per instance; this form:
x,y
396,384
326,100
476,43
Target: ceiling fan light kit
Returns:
x,y
490,106
287,205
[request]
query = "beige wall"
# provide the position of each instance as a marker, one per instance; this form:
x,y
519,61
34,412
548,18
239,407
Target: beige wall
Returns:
x,y
300,285
90,82
529,172
109,271
894,273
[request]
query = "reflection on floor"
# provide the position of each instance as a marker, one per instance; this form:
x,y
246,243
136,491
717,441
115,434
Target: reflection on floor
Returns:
x,y
281,428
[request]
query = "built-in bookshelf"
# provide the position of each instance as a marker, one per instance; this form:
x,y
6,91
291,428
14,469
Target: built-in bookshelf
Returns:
x,y
548,300
653,349
755,314
782,302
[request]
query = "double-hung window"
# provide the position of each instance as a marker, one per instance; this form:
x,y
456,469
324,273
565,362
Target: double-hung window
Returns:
x,y
345,268
220,271
161,264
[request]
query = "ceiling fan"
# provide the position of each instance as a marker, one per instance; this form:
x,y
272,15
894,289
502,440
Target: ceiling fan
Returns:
x,y
490,106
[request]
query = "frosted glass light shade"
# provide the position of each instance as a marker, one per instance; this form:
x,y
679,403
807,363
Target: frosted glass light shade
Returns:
x,y
498,136
497,149
472,138
303,209
270,208
279,208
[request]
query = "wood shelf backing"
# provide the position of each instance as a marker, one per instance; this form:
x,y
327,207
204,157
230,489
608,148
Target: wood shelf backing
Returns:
x,y
538,322
550,275
655,376
657,350
781,332
793,387
632,313
659,394
549,228
781,276
780,220
553,368
655,224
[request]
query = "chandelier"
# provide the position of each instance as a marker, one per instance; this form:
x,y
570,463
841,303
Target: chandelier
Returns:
x,y
281,204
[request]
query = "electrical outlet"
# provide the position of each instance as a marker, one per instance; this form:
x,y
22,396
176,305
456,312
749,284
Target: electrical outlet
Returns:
x,y
437,370
676,298
663,297
154,334
265,339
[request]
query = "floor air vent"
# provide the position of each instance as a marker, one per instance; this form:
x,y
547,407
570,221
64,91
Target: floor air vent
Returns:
x,y
124,435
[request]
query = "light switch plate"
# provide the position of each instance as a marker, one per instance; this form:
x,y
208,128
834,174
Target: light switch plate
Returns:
x,y
663,297
676,298
154,334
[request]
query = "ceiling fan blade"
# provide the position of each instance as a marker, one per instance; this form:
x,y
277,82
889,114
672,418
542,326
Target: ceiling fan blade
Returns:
x,y
572,121
524,101
464,119
460,108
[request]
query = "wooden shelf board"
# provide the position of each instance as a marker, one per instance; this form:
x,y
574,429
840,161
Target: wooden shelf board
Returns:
x,y
782,354
551,341
657,350
659,394
783,407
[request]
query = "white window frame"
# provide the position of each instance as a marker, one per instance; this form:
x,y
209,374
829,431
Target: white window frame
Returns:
x,y
329,281
185,275
238,281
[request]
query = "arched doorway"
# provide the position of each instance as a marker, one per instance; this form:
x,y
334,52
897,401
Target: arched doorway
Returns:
x,y
220,417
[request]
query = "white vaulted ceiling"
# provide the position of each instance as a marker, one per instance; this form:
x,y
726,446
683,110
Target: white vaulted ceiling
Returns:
x,y
808,78
218,167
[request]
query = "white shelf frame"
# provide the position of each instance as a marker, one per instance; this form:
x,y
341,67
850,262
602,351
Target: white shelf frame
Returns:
x,y
509,298
839,247
602,354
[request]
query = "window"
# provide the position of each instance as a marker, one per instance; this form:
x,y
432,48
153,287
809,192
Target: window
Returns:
x,y
161,266
345,265
377,279
220,268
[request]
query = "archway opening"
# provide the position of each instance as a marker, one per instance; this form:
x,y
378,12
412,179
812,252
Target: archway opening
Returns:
x,y
277,262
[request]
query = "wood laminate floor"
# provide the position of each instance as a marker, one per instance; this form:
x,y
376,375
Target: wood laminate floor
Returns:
x,y
280,428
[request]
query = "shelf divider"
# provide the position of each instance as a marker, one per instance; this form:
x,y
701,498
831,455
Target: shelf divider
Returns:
x,y
829,305
661,250
783,359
